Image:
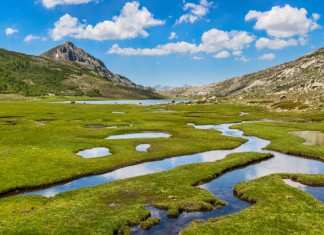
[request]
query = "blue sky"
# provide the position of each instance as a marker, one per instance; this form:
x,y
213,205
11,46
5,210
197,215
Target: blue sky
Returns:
x,y
169,42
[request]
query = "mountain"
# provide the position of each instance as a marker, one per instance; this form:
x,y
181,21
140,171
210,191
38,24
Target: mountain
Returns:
x,y
64,70
162,88
69,52
301,80
165,88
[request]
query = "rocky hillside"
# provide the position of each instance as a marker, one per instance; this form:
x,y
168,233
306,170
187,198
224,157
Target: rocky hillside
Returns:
x,y
69,52
72,72
300,80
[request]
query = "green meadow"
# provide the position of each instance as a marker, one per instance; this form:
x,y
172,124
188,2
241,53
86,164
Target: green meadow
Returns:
x,y
39,141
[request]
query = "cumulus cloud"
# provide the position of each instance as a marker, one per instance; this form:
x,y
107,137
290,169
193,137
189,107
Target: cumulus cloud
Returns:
x,y
54,3
11,31
212,41
275,44
31,37
195,11
222,54
284,22
216,40
269,56
131,23
170,48
172,36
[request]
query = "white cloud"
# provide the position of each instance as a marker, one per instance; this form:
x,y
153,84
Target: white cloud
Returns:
x,y
11,31
54,3
172,36
197,58
284,22
275,44
196,11
31,37
222,54
269,56
167,49
243,59
131,23
215,40
302,40
212,41
237,53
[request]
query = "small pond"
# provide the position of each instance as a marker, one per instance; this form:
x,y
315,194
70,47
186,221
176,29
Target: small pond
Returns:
x,y
142,147
139,135
94,152
311,137
117,112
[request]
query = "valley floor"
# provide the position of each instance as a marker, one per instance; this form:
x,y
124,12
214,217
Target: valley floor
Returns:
x,y
39,142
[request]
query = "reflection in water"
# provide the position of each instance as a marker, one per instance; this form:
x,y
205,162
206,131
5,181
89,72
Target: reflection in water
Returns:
x,y
295,184
94,152
311,137
317,192
142,147
221,187
139,136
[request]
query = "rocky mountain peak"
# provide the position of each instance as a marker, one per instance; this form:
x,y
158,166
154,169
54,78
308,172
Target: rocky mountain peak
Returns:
x,y
70,52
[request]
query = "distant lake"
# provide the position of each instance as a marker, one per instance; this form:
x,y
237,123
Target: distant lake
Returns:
x,y
143,102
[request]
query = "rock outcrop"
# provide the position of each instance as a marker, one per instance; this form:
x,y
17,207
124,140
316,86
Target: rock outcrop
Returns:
x,y
301,79
69,52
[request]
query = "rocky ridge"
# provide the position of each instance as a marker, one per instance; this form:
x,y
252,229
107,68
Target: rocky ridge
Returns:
x,y
69,52
299,80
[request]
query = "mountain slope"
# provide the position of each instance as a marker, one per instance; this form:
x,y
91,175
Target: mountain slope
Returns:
x,y
302,79
69,52
38,75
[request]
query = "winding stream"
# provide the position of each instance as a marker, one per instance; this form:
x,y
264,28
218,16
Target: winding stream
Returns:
x,y
221,187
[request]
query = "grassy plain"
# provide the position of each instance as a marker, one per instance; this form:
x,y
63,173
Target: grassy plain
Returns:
x,y
113,207
39,140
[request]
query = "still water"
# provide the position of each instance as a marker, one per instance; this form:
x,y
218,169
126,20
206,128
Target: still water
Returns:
x,y
139,102
311,137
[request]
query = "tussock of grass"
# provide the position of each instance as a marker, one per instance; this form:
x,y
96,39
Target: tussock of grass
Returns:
x,y
150,222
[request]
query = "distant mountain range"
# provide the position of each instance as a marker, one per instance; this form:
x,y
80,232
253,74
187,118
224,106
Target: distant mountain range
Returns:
x,y
65,70
299,80
165,88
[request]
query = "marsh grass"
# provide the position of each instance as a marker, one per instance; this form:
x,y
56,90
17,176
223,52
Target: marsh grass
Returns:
x,y
39,140
278,209
115,206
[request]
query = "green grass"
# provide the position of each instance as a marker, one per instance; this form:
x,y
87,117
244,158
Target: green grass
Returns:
x,y
279,209
45,137
39,140
115,206
284,141
38,76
